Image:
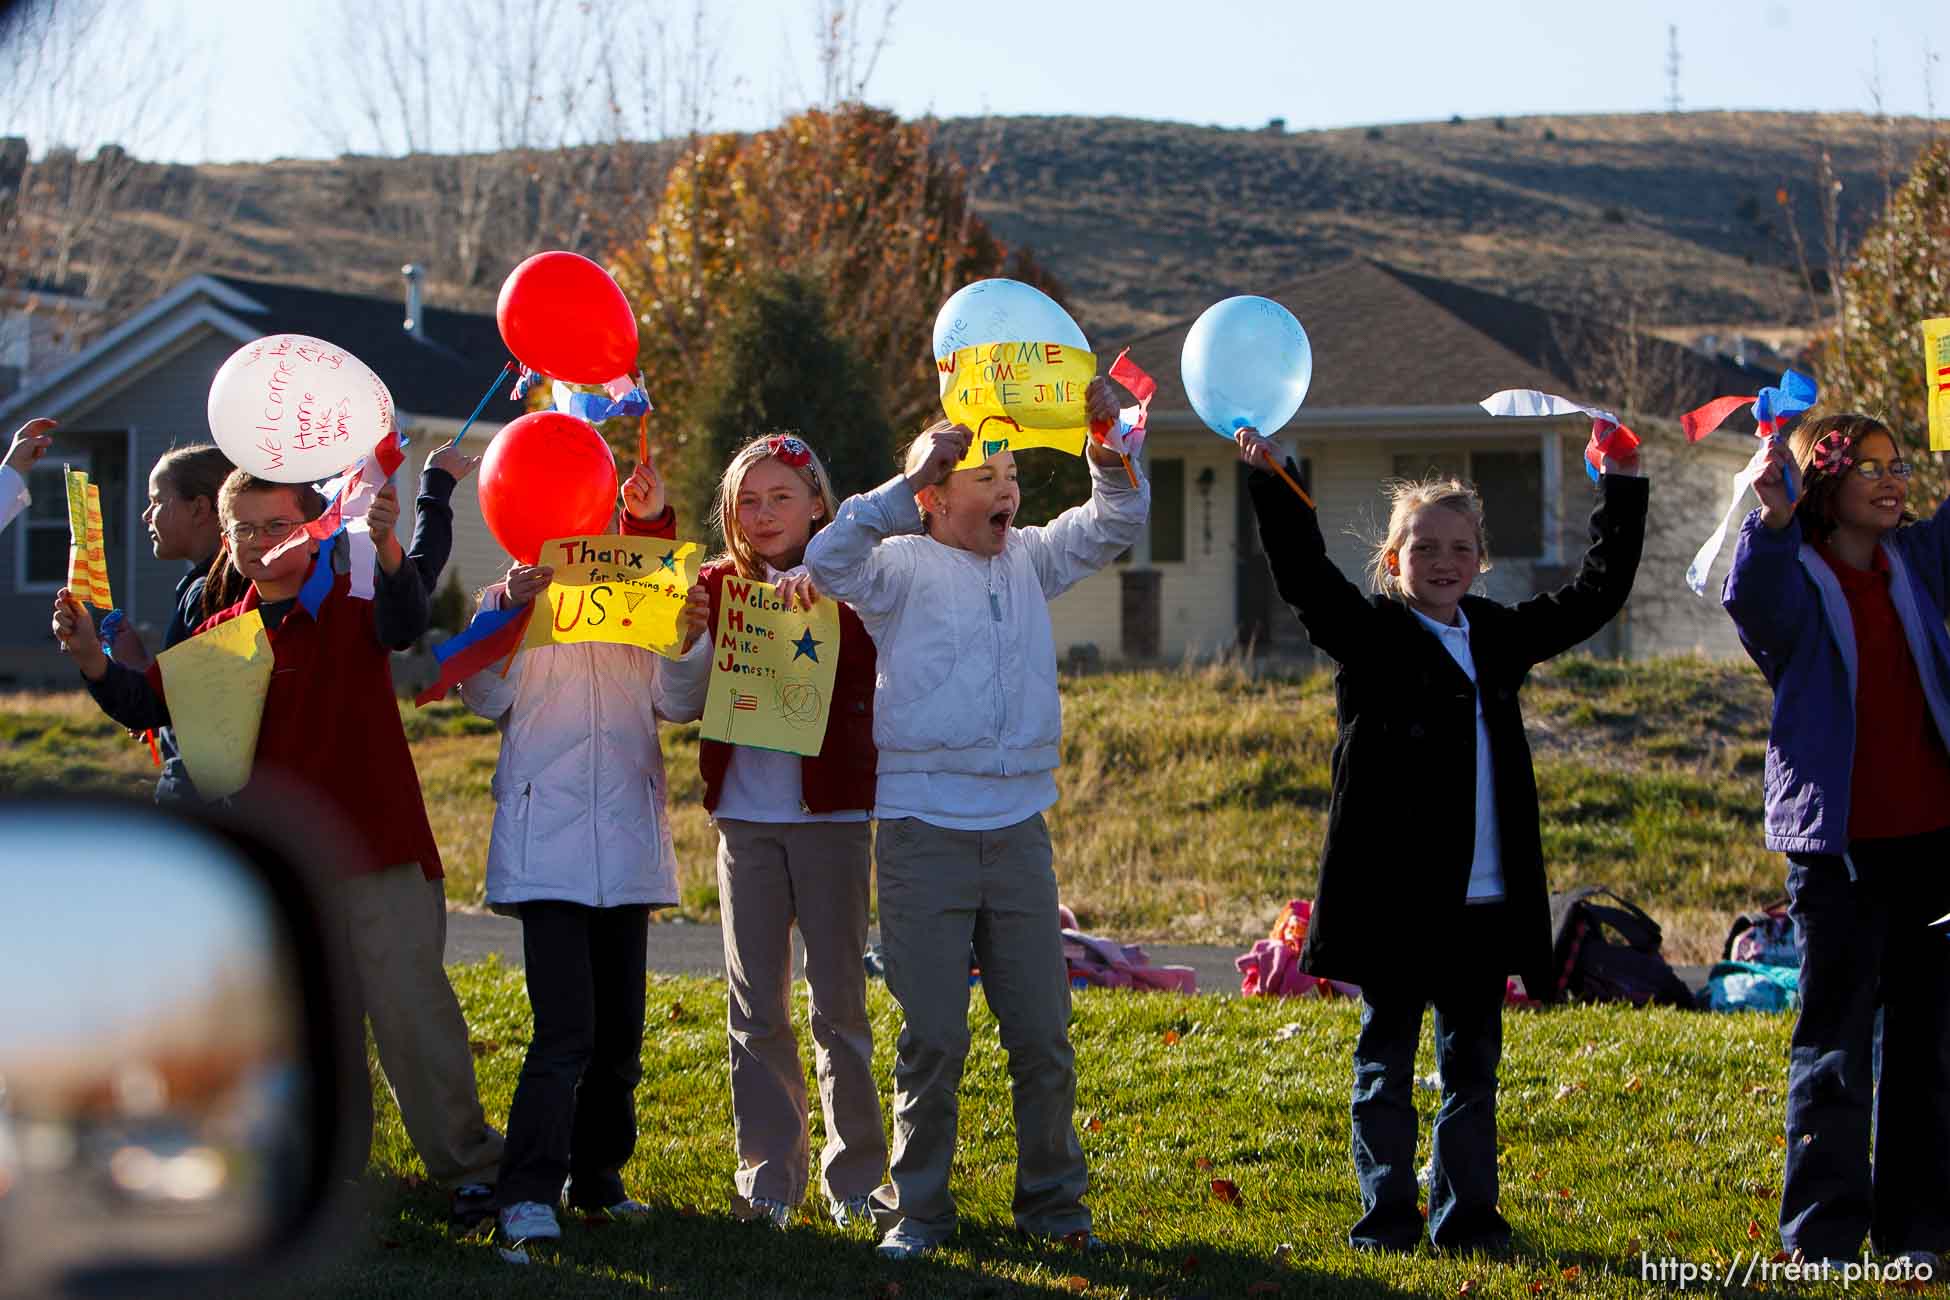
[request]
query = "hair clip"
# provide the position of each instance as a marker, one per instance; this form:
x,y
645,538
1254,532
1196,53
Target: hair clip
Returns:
x,y
789,449
1832,453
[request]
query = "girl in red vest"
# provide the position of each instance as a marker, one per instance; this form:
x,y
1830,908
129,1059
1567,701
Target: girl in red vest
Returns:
x,y
793,845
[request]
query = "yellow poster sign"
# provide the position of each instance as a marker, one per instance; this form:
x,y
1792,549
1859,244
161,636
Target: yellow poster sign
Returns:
x,y
87,546
1936,380
1017,395
771,670
215,684
621,590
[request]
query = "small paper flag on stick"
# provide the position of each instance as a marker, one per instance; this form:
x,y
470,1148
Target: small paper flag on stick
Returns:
x,y
87,552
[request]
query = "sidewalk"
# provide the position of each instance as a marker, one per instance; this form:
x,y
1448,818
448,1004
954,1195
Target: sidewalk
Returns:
x,y
685,948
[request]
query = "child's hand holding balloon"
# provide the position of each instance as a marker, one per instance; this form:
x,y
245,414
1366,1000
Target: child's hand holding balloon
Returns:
x,y
643,493
74,628
946,447
1259,452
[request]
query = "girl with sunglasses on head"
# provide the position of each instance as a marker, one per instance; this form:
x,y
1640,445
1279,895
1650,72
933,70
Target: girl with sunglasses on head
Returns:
x,y
1839,595
794,841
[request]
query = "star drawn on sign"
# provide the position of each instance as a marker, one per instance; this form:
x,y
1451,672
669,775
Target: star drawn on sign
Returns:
x,y
669,559
805,645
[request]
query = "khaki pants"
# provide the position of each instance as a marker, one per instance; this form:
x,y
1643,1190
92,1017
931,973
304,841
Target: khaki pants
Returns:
x,y
396,928
941,892
769,875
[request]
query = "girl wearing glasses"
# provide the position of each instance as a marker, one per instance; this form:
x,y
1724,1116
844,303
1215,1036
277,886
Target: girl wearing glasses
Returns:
x,y
1839,595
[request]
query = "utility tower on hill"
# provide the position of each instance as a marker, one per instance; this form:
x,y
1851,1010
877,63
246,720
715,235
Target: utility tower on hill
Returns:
x,y
1672,68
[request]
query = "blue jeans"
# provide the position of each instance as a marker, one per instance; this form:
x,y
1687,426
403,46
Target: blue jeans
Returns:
x,y
1468,1045
1868,1155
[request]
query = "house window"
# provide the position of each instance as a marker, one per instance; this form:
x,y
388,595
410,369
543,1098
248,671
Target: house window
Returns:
x,y
1167,511
1511,484
44,525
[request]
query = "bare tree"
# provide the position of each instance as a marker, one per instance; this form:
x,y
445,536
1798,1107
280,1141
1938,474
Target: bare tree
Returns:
x,y
520,115
69,85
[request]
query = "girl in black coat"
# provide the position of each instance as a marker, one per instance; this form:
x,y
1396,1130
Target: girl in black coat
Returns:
x,y
1431,740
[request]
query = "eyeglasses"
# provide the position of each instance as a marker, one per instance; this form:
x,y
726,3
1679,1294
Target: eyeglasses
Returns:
x,y
1872,469
241,532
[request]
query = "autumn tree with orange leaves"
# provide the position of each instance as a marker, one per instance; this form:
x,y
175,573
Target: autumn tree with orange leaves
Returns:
x,y
864,207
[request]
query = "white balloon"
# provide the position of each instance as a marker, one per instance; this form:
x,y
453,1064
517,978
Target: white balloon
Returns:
x,y
295,409
1002,311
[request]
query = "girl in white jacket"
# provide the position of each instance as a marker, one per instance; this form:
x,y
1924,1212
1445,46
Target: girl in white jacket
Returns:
x,y
967,723
581,852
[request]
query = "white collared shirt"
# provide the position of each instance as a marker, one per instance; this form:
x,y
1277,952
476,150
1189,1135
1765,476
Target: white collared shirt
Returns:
x,y
1486,868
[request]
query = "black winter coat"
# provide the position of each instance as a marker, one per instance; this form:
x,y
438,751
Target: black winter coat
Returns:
x,y
1401,820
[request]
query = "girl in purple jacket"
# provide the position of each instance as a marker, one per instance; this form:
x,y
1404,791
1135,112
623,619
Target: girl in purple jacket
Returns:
x,y
1839,595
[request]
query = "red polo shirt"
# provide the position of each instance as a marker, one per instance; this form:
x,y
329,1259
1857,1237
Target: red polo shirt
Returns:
x,y
331,724
1900,783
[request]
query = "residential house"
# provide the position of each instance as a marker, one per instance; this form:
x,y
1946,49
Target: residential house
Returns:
x,y
1400,362
142,387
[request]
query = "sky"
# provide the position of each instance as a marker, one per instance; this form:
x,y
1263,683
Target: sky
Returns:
x,y
1221,62
110,917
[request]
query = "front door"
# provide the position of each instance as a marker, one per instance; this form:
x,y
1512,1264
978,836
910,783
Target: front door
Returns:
x,y
1264,623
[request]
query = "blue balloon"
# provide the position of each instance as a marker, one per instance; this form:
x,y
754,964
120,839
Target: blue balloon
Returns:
x,y
1246,363
1002,311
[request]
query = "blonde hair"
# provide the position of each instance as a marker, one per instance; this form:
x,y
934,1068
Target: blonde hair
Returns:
x,y
724,513
1408,498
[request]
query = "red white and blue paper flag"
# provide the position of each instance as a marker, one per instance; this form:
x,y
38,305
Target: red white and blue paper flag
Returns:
x,y
489,637
1609,436
1773,407
348,497
632,402
1126,436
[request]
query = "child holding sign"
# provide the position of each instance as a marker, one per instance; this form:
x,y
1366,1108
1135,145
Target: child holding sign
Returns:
x,y
1840,596
1431,732
968,725
581,852
793,845
330,728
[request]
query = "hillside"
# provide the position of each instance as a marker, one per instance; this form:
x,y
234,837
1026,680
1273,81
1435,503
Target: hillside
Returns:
x,y
1673,218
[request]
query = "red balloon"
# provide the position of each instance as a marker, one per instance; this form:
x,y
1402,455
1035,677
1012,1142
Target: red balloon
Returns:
x,y
563,316
546,475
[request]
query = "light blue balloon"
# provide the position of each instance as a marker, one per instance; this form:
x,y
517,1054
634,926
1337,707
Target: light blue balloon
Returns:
x,y
1246,363
1002,311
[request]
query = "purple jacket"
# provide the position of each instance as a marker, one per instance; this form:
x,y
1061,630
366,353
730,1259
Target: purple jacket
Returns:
x,y
1795,622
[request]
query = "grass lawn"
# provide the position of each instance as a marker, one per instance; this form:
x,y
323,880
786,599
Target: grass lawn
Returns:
x,y
1193,801
1622,1132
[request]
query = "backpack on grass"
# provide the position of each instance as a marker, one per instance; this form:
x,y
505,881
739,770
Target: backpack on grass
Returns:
x,y
1765,938
1605,949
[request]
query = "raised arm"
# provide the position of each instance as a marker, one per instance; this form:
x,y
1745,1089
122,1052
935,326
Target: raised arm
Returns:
x,y
1084,538
1552,622
134,700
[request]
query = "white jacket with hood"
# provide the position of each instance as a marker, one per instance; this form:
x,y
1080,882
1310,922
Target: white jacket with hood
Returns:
x,y
579,789
967,674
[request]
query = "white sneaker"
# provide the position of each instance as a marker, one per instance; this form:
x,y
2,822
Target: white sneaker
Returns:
x,y
853,1212
528,1221
629,1210
903,1242
773,1213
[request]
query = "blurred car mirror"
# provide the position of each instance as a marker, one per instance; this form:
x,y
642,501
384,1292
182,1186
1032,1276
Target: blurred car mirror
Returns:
x,y
177,1055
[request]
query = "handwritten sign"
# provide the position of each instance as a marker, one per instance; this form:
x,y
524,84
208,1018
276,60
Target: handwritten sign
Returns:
x,y
215,683
87,547
621,590
1017,395
296,409
771,670
1936,380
